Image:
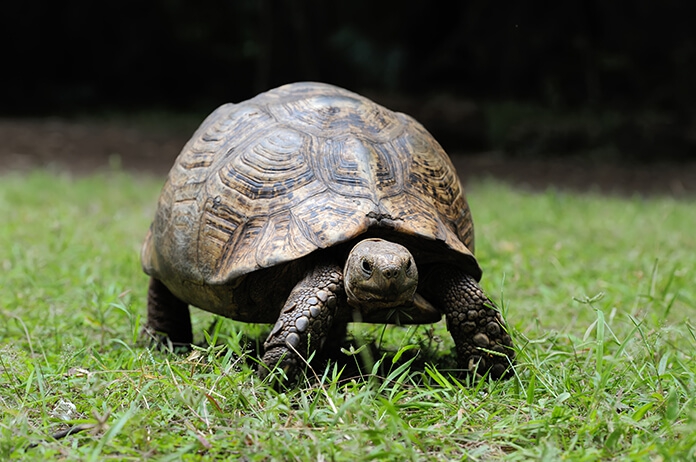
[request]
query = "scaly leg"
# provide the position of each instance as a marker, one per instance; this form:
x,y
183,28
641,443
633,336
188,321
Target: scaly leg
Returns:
x,y
305,320
474,322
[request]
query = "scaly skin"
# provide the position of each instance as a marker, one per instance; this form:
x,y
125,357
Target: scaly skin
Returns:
x,y
474,323
305,320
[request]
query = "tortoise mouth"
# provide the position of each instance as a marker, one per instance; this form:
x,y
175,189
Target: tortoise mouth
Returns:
x,y
369,299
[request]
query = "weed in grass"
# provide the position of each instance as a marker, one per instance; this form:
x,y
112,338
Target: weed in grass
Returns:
x,y
608,377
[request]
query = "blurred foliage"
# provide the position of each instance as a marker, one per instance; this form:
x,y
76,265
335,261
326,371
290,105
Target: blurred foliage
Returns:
x,y
78,55
176,52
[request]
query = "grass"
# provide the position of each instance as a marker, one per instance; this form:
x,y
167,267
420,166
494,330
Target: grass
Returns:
x,y
598,292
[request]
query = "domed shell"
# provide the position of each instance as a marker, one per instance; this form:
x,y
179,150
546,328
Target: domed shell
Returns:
x,y
303,167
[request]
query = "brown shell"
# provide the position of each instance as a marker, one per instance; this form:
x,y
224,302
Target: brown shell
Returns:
x,y
303,167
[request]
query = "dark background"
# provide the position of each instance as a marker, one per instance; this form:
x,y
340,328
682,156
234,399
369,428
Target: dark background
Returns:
x,y
598,80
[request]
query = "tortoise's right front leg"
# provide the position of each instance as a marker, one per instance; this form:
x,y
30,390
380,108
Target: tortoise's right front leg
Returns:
x,y
305,320
168,318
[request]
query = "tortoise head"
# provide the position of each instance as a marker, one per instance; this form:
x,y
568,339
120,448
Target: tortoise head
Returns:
x,y
380,275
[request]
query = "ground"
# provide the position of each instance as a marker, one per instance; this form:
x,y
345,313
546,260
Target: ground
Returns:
x,y
143,147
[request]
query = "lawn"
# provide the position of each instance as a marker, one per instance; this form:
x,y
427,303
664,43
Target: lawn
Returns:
x,y
598,292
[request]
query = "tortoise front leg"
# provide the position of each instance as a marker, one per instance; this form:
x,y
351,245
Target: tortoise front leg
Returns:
x,y
474,322
168,318
305,320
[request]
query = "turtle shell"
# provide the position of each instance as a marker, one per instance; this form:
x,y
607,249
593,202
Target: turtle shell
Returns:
x,y
300,168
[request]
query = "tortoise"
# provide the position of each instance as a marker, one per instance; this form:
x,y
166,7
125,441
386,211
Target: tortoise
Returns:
x,y
310,206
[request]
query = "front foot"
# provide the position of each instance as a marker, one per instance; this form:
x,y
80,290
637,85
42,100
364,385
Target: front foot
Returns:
x,y
482,342
279,358
304,321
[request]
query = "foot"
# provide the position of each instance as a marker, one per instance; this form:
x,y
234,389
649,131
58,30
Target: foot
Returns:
x,y
481,339
304,321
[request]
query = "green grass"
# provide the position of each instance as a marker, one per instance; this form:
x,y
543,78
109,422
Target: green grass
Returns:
x,y
598,292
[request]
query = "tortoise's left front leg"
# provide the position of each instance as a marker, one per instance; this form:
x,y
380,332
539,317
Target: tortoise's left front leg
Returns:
x,y
305,320
482,342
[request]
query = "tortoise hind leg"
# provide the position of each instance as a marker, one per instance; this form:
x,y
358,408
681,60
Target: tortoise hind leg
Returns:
x,y
482,342
305,320
168,318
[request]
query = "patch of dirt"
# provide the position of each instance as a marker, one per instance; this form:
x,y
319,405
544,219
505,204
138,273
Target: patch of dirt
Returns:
x,y
84,147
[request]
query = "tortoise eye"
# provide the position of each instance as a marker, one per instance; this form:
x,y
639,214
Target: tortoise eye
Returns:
x,y
366,267
409,263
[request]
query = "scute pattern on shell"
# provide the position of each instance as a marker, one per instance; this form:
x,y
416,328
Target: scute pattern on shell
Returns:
x,y
299,168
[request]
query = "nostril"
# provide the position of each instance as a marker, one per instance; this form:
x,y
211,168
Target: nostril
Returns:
x,y
390,273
